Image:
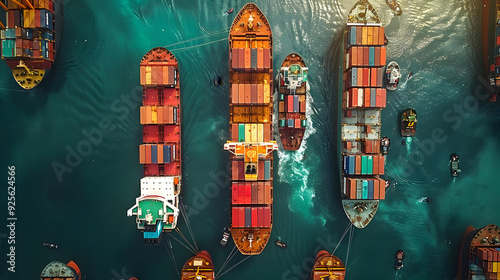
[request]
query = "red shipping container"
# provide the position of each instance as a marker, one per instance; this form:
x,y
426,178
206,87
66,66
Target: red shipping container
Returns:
x,y
380,76
148,153
234,58
267,217
368,128
254,217
254,193
254,93
267,61
260,192
360,56
381,166
159,72
10,20
375,164
366,77
498,40
248,93
490,255
359,36
19,43
248,58
234,193
497,60
289,103
260,172
382,55
241,170
373,79
241,58
234,170
382,189
248,193
375,36
241,93
302,106
367,98
366,56
235,214
297,123
260,93
267,132
260,58
260,216
354,101
381,35
242,216
234,93
36,53
234,132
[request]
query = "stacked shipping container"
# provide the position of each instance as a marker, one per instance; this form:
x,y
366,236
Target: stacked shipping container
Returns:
x,y
364,188
250,58
29,32
250,94
487,258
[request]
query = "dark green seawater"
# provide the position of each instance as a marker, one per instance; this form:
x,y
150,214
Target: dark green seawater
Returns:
x,y
95,81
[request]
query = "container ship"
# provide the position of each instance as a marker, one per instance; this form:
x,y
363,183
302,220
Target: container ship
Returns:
x,y
363,98
156,209
251,142
28,39
490,28
199,267
59,270
293,87
327,267
479,256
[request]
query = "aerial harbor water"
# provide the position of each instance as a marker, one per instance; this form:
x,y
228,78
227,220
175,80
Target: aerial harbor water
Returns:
x,y
74,141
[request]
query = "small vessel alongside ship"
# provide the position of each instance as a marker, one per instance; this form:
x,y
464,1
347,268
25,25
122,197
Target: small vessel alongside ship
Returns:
x,y
479,255
225,237
408,122
29,39
157,207
199,267
363,98
385,143
491,44
393,74
455,165
398,260
327,266
292,90
58,270
251,142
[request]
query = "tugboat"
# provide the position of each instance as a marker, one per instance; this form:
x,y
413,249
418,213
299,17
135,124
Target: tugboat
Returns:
x,y
392,75
50,245
394,6
424,199
385,143
218,81
455,165
59,270
225,236
198,267
327,267
408,122
280,244
398,260
229,11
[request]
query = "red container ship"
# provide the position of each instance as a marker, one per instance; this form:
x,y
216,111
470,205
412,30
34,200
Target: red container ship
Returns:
x,y
28,39
250,130
490,28
479,256
293,87
58,270
327,267
363,98
199,267
156,208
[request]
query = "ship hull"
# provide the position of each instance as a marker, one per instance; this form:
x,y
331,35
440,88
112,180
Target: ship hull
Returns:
x,y
327,266
408,126
490,37
292,101
251,142
199,266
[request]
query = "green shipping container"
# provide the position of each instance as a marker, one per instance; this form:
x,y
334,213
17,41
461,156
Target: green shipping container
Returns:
x,y
282,122
365,189
241,132
364,163
303,123
282,97
370,165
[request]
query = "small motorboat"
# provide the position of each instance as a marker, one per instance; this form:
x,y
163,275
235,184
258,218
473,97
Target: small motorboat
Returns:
x,y
229,11
385,143
398,260
392,75
409,76
394,6
225,237
280,244
455,165
424,199
218,81
50,245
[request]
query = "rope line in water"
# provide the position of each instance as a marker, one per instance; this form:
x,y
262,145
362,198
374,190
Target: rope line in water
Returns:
x,y
351,234
190,249
190,230
228,259
231,268
196,46
171,255
199,37
349,226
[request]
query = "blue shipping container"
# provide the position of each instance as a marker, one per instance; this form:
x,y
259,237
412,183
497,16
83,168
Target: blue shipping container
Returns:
x,y
10,33
42,18
371,56
352,165
267,170
51,21
154,154
346,164
248,217
370,189
295,103
353,35
359,189
373,97
290,123
498,31
168,159
497,50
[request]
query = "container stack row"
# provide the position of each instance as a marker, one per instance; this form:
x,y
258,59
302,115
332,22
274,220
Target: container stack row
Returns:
x,y
364,98
293,123
250,58
251,217
364,188
366,146
158,153
249,94
158,75
251,192
365,77
251,132
159,115
488,258
292,103
263,169
365,36
364,165
366,56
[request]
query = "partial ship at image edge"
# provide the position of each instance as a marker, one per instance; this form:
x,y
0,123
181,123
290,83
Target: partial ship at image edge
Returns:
x,y
363,97
157,207
327,266
59,270
292,91
198,267
490,37
251,142
30,38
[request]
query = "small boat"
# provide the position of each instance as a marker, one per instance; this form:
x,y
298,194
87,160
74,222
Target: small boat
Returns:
x,y
50,245
424,199
394,6
392,75
229,11
218,81
280,244
398,260
410,75
408,122
455,165
225,237
385,143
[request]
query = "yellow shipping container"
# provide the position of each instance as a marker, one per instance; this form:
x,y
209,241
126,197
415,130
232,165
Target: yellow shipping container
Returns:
x,y
266,92
370,35
254,132
495,266
248,132
26,14
364,36
32,18
148,75
260,132
154,115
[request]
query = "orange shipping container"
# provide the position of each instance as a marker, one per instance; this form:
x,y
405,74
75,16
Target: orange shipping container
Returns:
x,y
248,93
143,75
254,98
241,93
302,107
154,75
375,165
260,93
382,189
354,56
373,79
170,115
260,193
376,189
148,153
297,123
234,170
159,72
142,154
375,35
160,153
367,97
360,56
381,35
260,58
370,35
381,165
364,36
358,165
234,58
267,193
234,132
143,115
281,106
234,93
360,76
148,115
160,114
267,132
382,55
248,58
